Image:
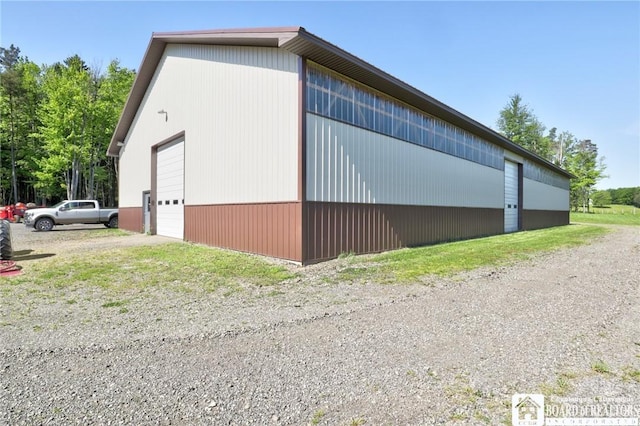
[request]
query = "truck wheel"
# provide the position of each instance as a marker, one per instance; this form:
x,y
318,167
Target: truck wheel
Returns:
x,y
44,224
113,222
6,249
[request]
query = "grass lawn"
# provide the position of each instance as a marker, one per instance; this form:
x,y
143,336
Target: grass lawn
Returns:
x,y
407,265
613,215
176,266
185,267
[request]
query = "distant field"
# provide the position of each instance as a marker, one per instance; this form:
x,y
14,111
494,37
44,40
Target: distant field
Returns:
x,y
614,214
616,209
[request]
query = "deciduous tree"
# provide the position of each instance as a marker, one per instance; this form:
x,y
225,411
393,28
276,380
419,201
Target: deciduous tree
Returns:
x,y
518,123
112,94
55,125
588,169
64,115
20,97
562,148
79,115
623,195
10,81
601,198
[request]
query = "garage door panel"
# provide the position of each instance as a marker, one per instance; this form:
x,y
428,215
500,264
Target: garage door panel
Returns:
x,y
170,190
510,196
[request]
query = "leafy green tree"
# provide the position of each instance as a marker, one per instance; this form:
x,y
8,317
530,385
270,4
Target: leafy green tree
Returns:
x,y
588,169
562,148
10,82
30,147
79,114
601,198
518,123
19,101
551,139
64,115
111,97
623,196
55,125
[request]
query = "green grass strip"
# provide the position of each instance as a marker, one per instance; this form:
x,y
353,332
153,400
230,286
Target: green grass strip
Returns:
x,y
180,266
445,259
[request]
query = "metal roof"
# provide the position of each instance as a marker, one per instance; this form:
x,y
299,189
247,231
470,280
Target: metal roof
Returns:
x,y
302,43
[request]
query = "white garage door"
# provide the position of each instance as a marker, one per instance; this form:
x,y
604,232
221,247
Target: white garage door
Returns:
x,y
170,190
510,196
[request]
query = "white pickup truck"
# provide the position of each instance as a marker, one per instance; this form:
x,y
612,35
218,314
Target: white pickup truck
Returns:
x,y
68,212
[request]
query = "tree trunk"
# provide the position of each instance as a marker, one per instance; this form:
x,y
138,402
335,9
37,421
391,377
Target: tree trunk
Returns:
x,y
75,177
90,184
14,178
67,182
113,182
72,179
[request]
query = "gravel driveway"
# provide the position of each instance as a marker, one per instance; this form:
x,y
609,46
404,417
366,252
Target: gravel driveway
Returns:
x,y
445,351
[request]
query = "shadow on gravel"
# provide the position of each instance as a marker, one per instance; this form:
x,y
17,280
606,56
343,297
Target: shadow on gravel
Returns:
x,y
22,255
72,229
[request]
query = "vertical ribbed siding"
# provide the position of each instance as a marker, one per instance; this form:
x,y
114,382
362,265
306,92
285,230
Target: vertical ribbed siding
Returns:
x,y
540,196
334,228
244,143
352,165
130,218
272,229
537,219
238,106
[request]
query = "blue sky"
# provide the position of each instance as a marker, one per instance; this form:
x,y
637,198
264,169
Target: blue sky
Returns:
x,y
576,64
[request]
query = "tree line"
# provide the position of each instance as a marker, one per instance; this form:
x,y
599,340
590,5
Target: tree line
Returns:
x,y
56,123
579,157
626,196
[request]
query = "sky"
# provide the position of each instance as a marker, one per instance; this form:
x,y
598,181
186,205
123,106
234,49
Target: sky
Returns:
x,y
575,64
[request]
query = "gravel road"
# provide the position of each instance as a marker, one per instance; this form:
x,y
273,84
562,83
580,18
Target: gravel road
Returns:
x,y
444,351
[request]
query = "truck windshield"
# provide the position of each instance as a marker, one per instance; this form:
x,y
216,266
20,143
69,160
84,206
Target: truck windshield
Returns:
x,y
58,205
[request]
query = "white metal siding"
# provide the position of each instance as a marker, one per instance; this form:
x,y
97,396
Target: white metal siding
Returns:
x,y
540,196
508,155
170,191
238,107
510,196
349,164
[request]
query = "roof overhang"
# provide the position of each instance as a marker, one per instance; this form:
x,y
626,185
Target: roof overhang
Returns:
x,y
302,43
